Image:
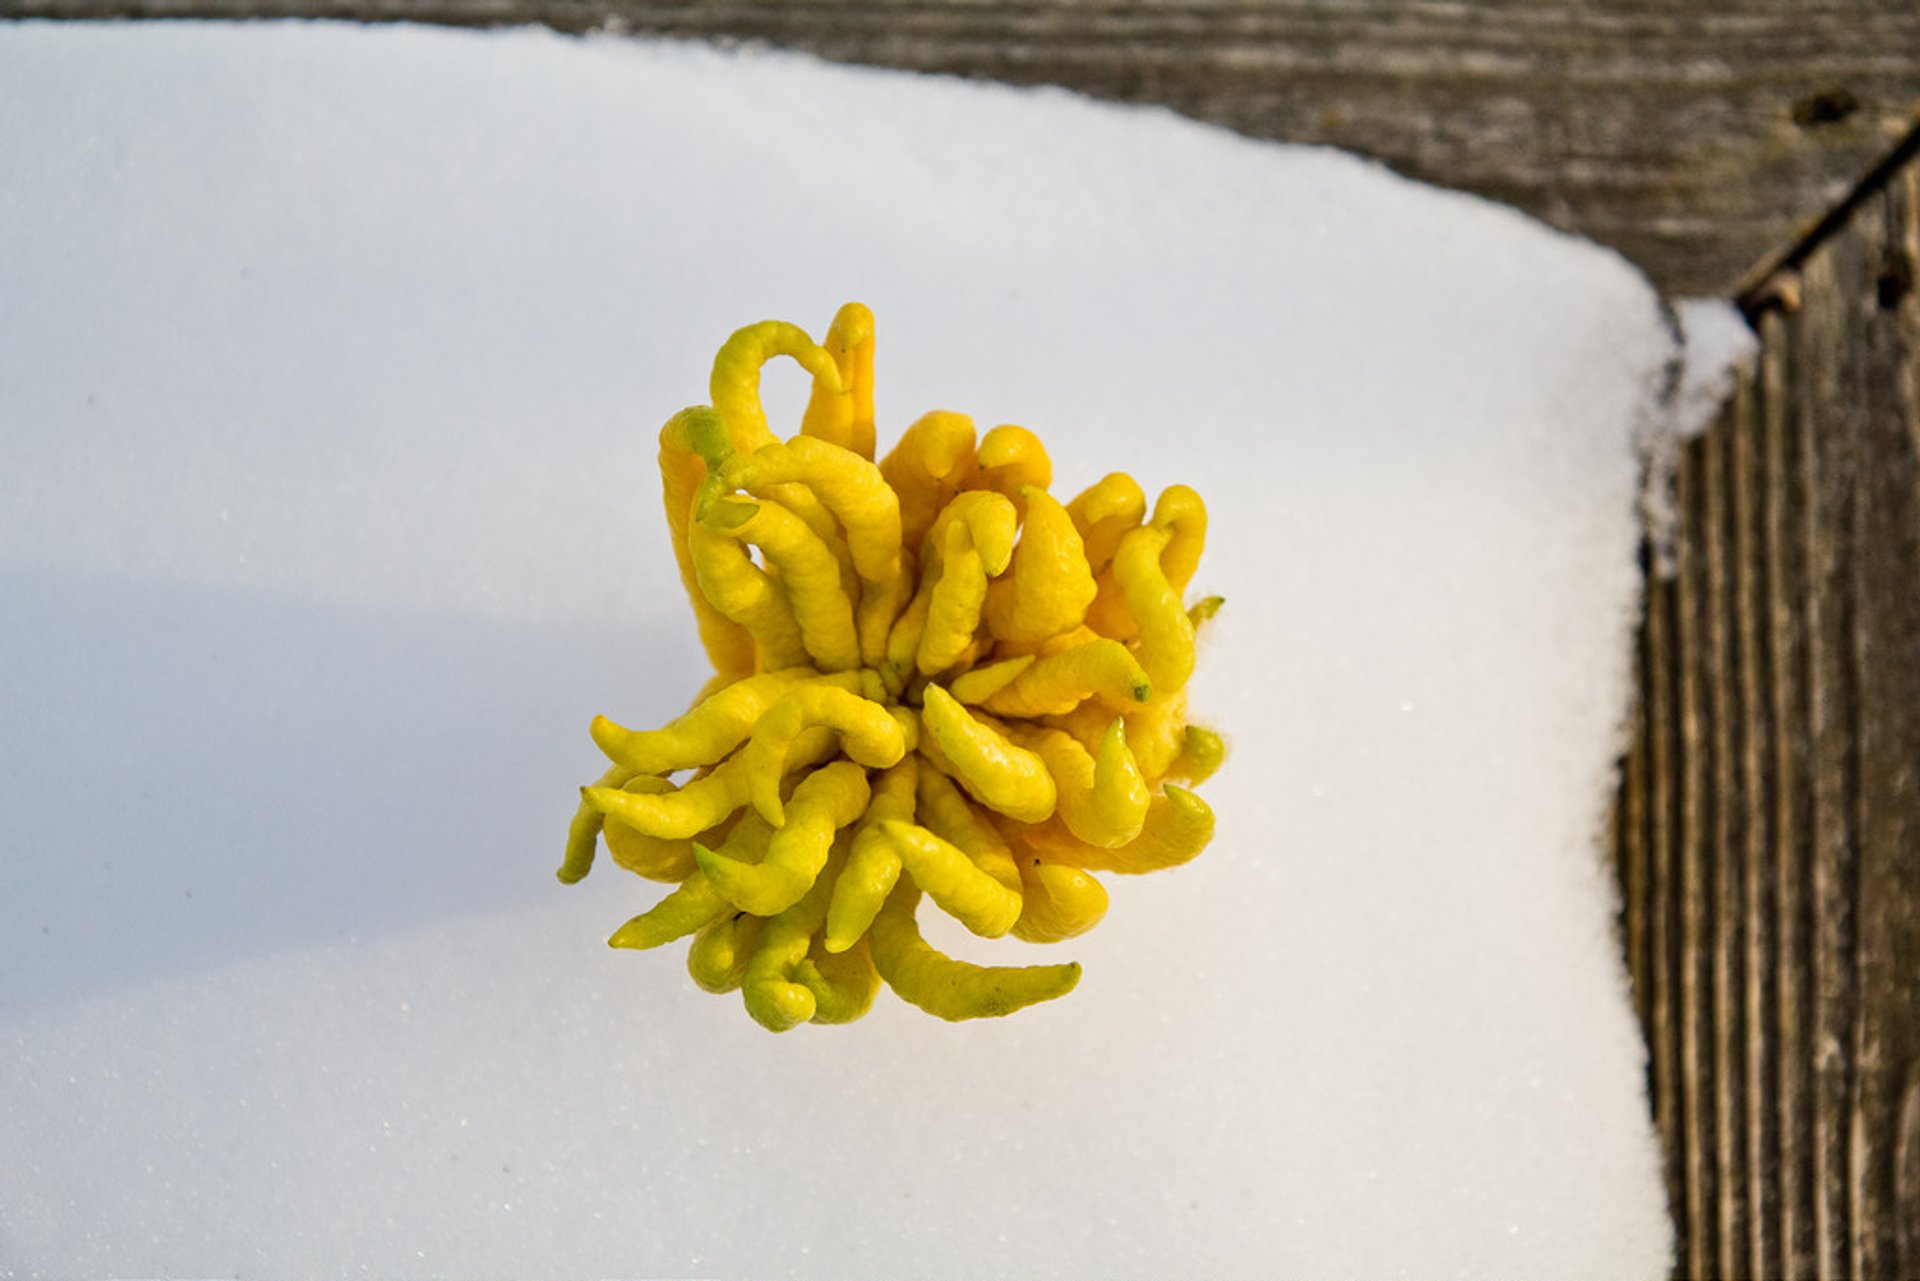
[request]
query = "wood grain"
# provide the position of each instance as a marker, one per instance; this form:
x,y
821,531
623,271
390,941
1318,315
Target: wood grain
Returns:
x,y
1693,138
1780,723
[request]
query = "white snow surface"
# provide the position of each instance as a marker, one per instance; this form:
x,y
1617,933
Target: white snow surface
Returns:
x,y
331,362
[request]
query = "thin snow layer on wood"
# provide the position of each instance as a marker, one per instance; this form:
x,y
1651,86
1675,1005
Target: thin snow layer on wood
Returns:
x,y
1716,346
330,370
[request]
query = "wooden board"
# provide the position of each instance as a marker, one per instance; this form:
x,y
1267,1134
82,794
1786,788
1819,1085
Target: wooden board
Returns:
x,y
1769,819
1693,138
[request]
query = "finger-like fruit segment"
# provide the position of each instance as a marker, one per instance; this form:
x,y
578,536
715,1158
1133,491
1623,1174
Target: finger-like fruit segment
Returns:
x,y
1202,752
926,468
868,732
654,857
717,958
685,811
1049,586
682,471
1000,775
845,417
1059,682
1060,903
703,735
951,879
583,834
1104,512
843,984
952,989
735,385
824,802
873,864
1179,825
691,906
809,571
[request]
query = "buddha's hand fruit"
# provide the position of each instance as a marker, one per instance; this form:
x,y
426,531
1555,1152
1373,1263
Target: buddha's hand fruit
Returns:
x,y
932,679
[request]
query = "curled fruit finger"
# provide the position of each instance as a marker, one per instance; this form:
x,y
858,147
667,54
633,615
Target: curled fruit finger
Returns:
x,y
775,1000
1060,902
717,958
873,864
1056,683
868,735
1201,753
843,984
583,833
704,735
1183,515
1166,633
1104,512
844,416
654,857
684,811
1178,827
951,879
682,472
927,468
826,801
747,595
850,487
1103,798
999,774
1050,585
735,385
1012,459
953,606
950,989
809,570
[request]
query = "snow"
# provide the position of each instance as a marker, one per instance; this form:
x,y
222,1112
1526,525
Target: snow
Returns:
x,y
330,365
1715,346
1719,345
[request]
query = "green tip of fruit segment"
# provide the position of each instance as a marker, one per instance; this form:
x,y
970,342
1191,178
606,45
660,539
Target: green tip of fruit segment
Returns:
x,y
636,934
706,435
728,514
1203,753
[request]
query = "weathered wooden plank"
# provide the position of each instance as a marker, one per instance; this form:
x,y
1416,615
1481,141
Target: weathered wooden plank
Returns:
x,y
1886,358
1791,765
1722,658
1760,1006
1895,936
1776,832
1694,138
1793,880
1696,1114
1829,456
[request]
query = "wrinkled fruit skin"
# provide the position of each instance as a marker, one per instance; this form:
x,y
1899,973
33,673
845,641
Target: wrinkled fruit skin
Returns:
x,y
932,679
